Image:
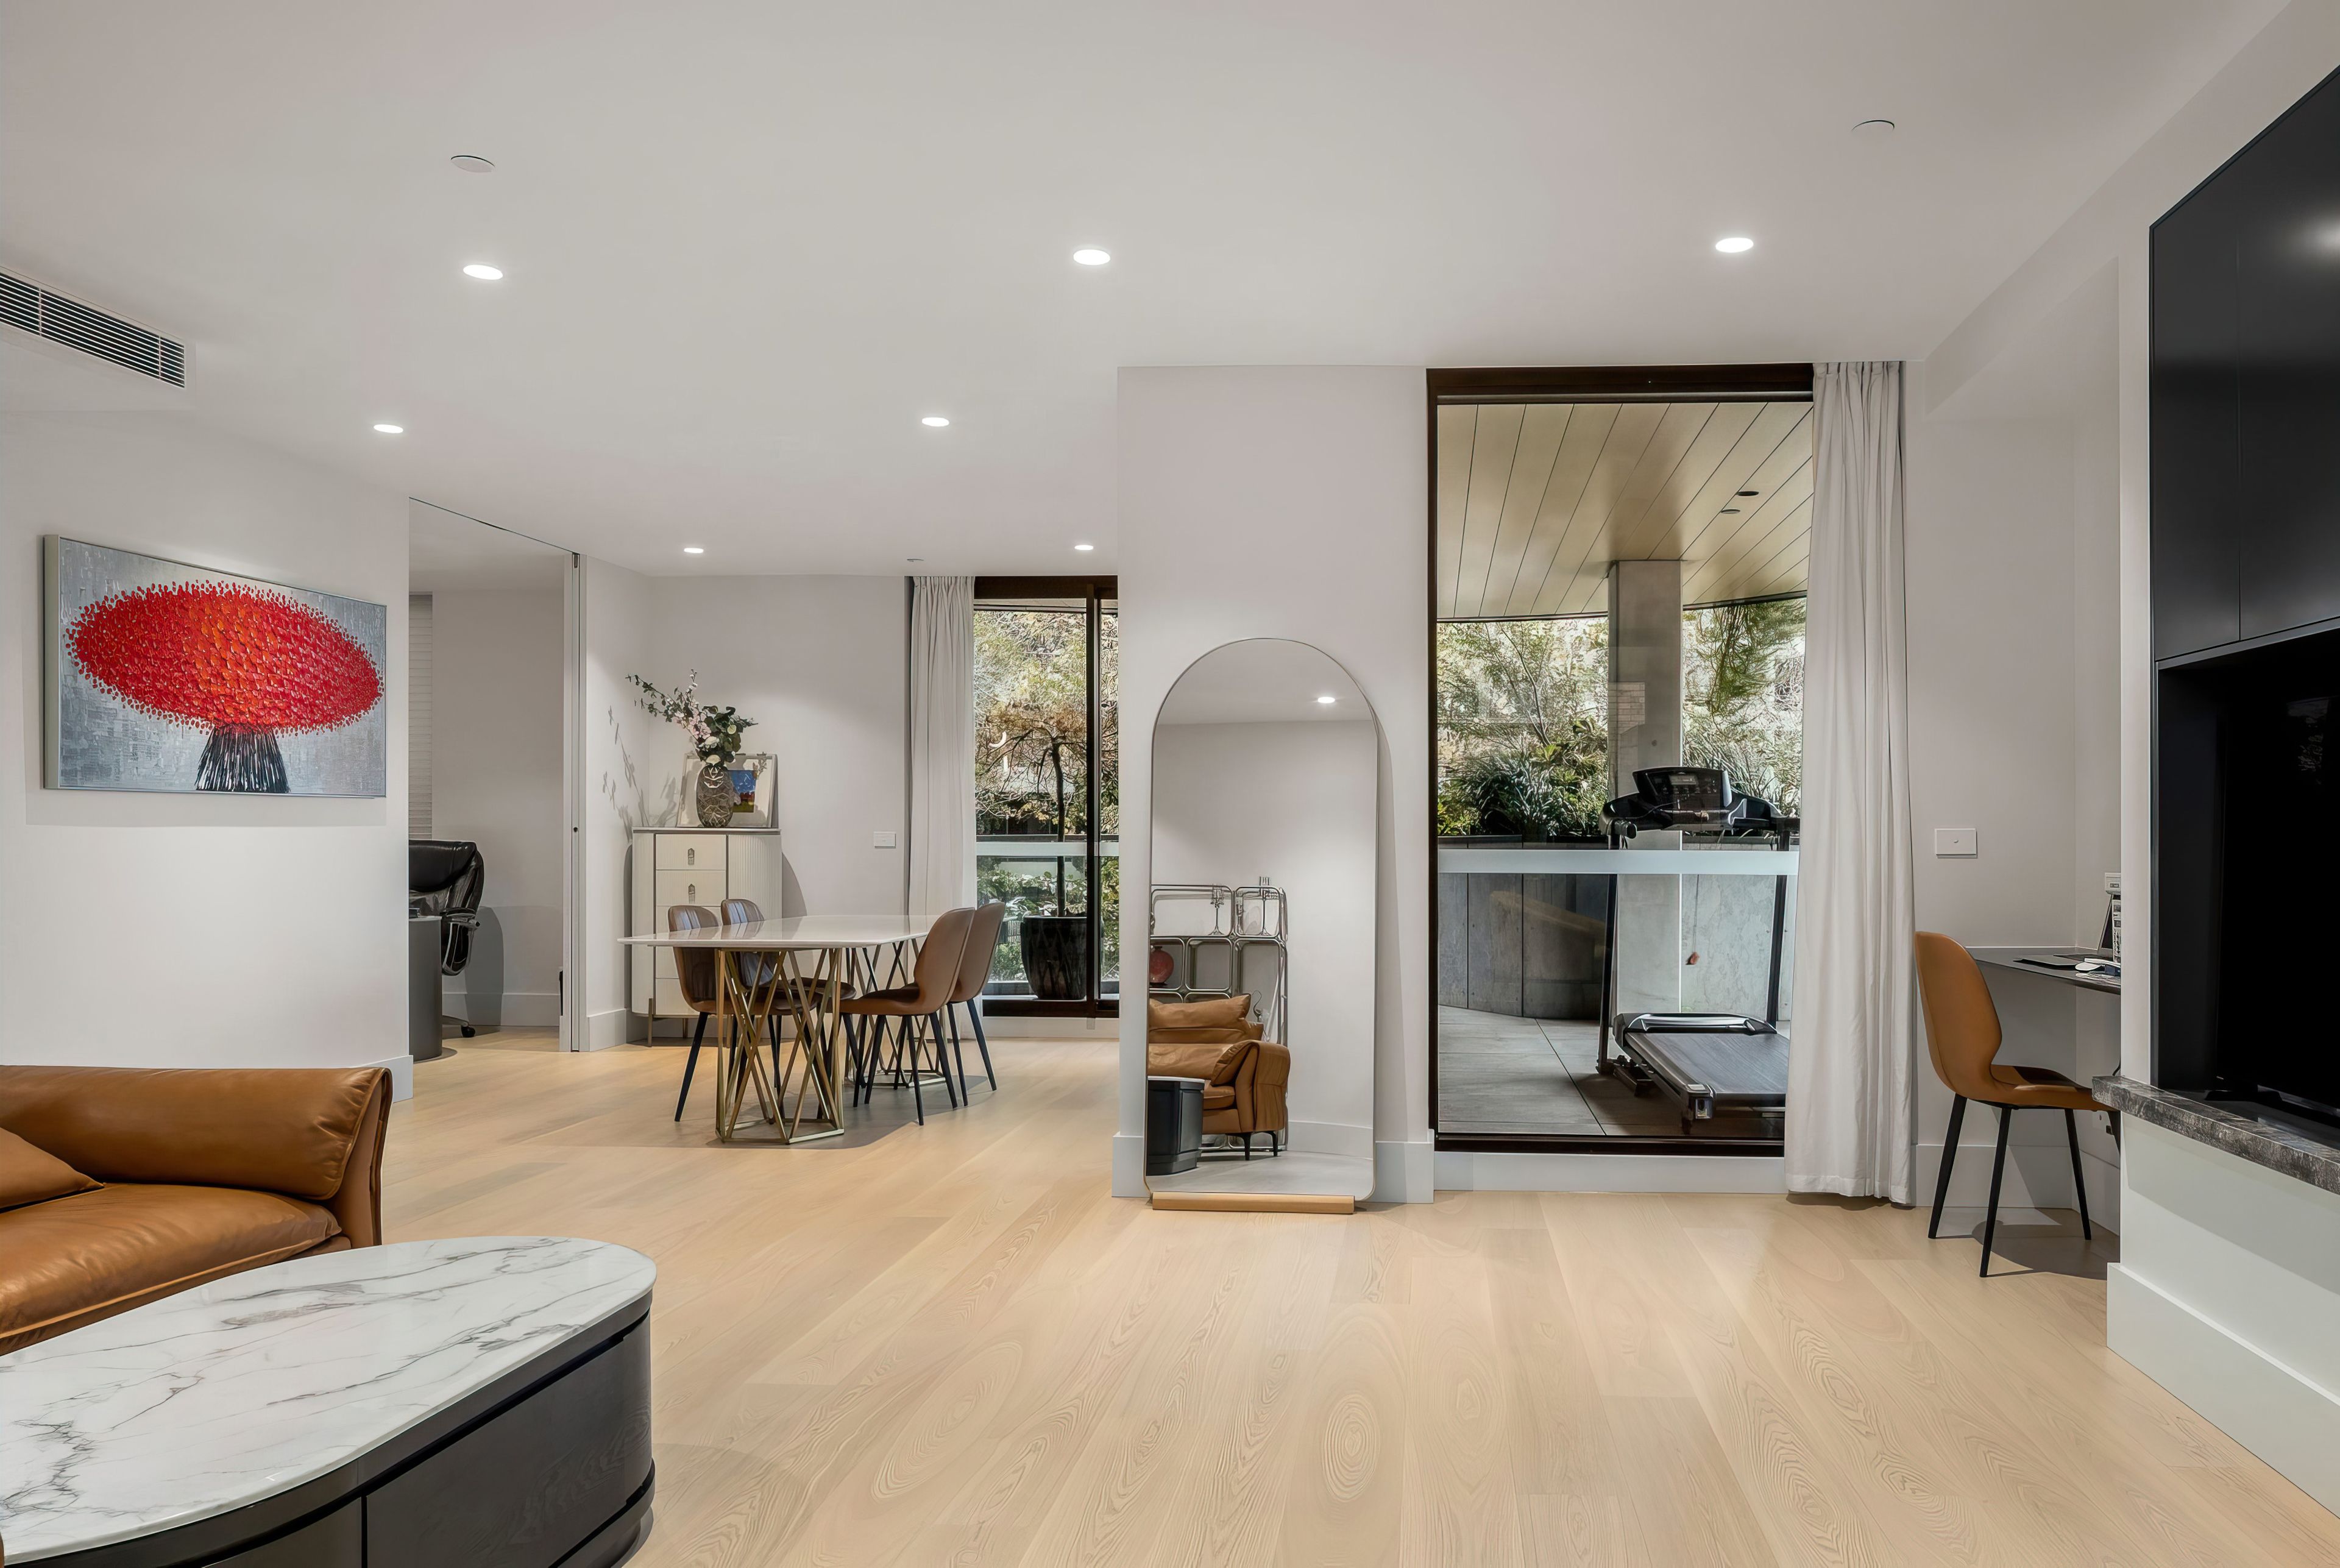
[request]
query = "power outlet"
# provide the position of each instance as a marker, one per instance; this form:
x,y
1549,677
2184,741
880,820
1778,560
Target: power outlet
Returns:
x,y
1955,843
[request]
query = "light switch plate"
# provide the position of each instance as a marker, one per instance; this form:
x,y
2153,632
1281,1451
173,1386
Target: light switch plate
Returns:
x,y
881,840
1954,842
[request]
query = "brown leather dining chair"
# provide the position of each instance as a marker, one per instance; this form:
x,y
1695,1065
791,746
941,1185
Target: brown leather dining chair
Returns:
x,y
916,1010
1963,1035
973,970
695,974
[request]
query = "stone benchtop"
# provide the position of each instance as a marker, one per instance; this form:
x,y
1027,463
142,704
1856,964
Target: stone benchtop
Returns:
x,y
2279,1148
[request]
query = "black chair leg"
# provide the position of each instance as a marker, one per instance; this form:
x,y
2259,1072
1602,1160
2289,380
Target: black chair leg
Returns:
x,y
942,1057
691,1067
958,1053
1246,1145
2080,1181
1998,1170
1949,1155
917,1095
975,1018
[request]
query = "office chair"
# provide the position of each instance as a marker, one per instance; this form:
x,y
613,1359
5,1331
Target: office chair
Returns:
x,y
445,878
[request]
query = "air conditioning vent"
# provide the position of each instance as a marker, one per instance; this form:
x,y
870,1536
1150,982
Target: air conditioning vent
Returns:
x,y
60,319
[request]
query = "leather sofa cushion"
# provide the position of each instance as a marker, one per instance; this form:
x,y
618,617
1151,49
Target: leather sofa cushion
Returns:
x,y
1214,1062
99,1253
280,1129
1204,1013
1219,1096
30,1175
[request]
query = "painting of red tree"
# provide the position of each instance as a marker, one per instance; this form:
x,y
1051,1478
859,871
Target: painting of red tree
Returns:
x,y
244,665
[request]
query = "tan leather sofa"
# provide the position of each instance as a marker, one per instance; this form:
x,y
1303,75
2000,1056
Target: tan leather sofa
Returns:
x,y
120,1184
1214,1039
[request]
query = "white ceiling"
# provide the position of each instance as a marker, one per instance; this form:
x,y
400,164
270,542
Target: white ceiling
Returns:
x,y
1264,680
447,553
749,244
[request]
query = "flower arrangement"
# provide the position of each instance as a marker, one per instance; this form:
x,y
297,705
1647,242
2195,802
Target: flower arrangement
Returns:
x,y
716,732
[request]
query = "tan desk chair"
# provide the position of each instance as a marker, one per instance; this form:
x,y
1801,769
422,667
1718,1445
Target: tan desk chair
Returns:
x,y
1963,1034
974,969
916,1010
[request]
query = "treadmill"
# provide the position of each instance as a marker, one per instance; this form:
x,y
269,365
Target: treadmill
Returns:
x,y
1727,1074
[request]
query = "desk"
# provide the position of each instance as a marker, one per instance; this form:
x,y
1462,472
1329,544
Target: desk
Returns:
x,y
811,999
2012,958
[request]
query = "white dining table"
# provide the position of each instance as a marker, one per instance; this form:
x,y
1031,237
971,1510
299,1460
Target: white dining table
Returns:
x,y
747,998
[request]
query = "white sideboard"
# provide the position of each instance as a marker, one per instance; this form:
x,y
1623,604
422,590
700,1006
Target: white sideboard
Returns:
x,y
702,866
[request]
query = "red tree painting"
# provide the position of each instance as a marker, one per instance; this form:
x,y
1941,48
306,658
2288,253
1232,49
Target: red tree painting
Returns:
x,y
248,664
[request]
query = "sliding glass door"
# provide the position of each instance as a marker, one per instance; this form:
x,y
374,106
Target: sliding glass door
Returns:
x,y
1047,791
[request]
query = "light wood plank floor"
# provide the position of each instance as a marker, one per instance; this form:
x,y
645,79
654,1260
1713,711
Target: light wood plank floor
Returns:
x,y
947,1345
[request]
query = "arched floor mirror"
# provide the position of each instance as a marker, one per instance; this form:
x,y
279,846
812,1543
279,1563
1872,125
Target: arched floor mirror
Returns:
x,y
1260,953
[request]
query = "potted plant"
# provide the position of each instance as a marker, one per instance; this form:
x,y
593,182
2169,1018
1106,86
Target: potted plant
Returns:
x,y
716,735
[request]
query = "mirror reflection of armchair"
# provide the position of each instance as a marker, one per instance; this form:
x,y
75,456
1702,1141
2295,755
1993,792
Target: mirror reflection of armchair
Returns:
x,y
1244,1076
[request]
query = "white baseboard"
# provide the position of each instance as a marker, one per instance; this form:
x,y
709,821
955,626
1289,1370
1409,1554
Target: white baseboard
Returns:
x,y
1404,1171
1330,1139
401,1075
2038,1176
611,1026
1459,1170
1104,1031
2283,1417
521,1009
1129,1165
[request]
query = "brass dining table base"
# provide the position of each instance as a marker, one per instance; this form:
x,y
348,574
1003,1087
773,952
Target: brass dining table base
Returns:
x,y
754,992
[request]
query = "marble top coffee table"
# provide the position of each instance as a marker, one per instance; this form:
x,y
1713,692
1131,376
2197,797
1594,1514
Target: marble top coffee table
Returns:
x,y
480,1401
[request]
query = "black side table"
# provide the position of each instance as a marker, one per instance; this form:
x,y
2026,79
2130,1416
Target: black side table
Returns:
x,y
1173,1125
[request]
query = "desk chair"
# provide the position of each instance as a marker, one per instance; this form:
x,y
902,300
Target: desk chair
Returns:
x,y
917,1010
1962,1034
446,877
974,969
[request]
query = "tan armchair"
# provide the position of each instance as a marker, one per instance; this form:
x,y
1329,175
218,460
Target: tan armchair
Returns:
x,y
1243,1076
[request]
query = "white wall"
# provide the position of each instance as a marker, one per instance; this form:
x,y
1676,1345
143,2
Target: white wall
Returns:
x,y
1288,502
1298,802
628,784
820,663
2014,715
271,931
496,778
2225,1292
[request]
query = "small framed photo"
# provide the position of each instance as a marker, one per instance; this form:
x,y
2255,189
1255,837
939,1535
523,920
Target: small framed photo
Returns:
x,y
753,780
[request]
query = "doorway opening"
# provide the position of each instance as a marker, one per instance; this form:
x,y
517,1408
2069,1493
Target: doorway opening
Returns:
x,y
1617,570
490,674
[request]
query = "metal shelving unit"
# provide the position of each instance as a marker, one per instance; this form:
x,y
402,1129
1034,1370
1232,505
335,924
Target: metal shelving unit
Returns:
x,y
1246,946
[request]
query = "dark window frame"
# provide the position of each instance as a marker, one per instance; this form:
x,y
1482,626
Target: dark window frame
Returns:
x,y
1093,590
1772,382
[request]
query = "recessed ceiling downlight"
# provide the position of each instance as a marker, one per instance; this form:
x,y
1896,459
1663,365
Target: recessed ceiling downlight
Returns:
x,y
934,421
484,273
694,549
473,163
1734,245
1090,256
1085,547
390,429
1326,701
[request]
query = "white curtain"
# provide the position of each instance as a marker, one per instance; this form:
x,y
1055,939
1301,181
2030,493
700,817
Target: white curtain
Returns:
x,y
942,745
1852,1060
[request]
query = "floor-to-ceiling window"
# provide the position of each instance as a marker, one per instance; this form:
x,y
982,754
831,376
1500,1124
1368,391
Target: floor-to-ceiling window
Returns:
x,y
1047,785
1542,482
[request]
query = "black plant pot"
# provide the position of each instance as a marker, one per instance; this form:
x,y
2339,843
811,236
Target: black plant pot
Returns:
x,y
1055,956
